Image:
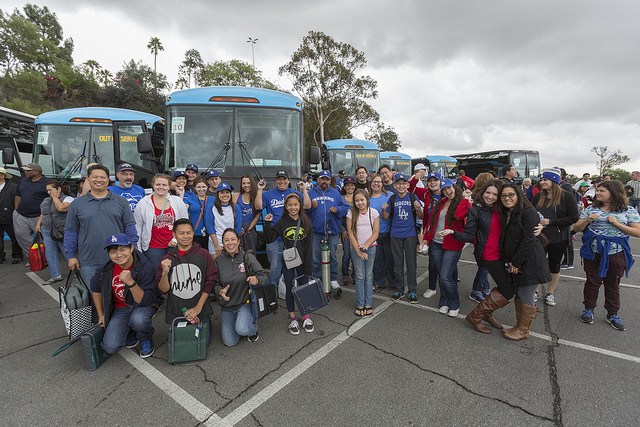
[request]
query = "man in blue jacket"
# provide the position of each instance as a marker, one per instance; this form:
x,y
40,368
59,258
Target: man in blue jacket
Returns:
x,y
126,297
328,207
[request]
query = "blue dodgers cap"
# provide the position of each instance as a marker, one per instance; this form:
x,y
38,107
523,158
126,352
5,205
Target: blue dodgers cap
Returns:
x,y
117,240
447,183
324,173
177,174
212,173
435,175
192,166
400,176
372,170
223,186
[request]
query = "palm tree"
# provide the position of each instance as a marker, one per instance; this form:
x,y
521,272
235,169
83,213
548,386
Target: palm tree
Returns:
x,y
155,46
106,76
93,67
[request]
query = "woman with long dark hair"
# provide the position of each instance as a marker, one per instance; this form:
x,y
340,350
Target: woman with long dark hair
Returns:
x,y
224,214
558,212
245,199
606,226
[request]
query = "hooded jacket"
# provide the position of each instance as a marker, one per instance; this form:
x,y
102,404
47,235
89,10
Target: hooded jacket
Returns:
x,y
449,242
190,275
320,216
232,271
476,230
145,213
141,271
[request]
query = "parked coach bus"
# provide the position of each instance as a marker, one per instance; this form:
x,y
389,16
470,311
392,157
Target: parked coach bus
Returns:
x,y
348,155
444,165
399,162
526,163
16,133
67,140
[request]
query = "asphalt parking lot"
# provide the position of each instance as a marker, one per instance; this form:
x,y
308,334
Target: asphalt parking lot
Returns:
x,y
406,365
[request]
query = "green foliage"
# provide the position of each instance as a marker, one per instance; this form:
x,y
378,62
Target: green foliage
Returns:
x,y
19,43
385,136
619,174
231,73
135,88
324,74
155,46
609,159
190,65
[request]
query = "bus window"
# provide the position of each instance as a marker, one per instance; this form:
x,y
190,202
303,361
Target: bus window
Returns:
x,y
58,146
129,146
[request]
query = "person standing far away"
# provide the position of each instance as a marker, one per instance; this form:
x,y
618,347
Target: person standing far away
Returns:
x,y
213,180
31,191
246,199
586,177
403,208
340,180
125,297
92,218
362,183
7,206
187,274
634,182
178,185
387,178
509,174
326,213
419,173
273,201
125,186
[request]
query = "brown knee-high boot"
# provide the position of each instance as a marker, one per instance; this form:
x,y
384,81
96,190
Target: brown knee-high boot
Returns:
x,y
524,320
491,303
518,304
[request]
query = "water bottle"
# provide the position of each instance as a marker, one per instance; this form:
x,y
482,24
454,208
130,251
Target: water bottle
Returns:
x,y
193,321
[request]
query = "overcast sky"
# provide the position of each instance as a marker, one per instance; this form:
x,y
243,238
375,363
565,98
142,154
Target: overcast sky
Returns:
x,y
453,76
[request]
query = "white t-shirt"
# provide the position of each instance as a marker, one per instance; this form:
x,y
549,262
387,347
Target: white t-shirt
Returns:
x,y
364,225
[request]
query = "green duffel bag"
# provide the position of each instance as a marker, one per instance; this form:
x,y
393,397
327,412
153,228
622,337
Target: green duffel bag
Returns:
x,y
187,341
94,355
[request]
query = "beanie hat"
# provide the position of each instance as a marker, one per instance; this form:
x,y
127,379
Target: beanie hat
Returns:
x,y
552,174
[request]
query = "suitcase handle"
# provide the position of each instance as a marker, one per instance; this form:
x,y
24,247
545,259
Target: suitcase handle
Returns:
x,y
173,332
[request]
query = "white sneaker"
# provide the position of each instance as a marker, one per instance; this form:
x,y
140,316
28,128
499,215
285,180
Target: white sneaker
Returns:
x,y
294,328
307,325
444,309
425,249
334,284
429,293
453,313
53,280
550,300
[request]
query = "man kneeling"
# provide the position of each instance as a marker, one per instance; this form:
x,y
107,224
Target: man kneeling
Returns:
x,y
126,297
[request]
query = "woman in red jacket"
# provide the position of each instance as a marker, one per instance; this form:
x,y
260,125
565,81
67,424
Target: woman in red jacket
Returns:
x,y
444,251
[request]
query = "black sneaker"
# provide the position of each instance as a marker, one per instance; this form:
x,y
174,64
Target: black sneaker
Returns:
x,y
17,261
253,338
413,299
615,322
587,316
396,296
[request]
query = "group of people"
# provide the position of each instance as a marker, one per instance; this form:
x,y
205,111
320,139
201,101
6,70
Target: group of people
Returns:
x,y
193,236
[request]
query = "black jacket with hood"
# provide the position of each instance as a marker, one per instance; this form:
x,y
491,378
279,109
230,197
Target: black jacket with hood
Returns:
x,y
233,271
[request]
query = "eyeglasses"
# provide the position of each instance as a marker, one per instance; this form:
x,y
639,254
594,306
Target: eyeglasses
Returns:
x,y
508,196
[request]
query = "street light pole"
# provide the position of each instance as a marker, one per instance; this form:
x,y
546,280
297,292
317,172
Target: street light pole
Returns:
x,y
253,58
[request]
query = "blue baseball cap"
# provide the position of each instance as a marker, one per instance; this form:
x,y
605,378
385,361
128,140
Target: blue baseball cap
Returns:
x,y
447,183
117,240
223,186
212,173
177,174
193,167
435,175
400,176
372,170
124,167
325,173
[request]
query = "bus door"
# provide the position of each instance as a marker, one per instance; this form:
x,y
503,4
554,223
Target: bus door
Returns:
x,y
125,133
11,157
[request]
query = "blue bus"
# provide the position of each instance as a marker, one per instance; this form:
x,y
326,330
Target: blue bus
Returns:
x,y
348,154
236,131
67,140
526,163
444,165
399,162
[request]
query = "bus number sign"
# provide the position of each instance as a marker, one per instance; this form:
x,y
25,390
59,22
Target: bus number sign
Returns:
x,y
177,125
43,138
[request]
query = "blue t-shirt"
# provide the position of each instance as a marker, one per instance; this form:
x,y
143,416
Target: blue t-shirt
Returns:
x,y
402,223
376,203
196,206
32,194
273,201
247,210
133,194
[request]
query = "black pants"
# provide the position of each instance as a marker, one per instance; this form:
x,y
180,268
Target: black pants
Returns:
x,y
16,250
555,251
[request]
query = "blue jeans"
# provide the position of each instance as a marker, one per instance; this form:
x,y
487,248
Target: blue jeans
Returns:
x,y
154,255
51,249
346,257
384,261
445,262
635,203
317,255
237,323
274,255
481,281
136,318
433,273
364,276
87,271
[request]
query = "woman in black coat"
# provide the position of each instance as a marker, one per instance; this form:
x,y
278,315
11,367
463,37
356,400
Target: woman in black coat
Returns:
x,y
523,263
558,212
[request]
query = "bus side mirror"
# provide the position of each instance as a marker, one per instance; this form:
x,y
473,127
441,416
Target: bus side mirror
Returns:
x,y
144,143
314,155
8,156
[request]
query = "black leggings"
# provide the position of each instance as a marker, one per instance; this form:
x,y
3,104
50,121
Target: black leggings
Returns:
x,y
555,251
504,282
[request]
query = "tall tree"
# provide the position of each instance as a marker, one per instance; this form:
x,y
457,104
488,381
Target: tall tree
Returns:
x,y
609,159
324,74
191,64
19,43
155,46
385,136
105,76
135,88
231,73
93,66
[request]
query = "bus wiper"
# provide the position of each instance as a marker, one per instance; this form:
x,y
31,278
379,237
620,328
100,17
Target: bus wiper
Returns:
x,y
95,156
246,156
222,154
75,166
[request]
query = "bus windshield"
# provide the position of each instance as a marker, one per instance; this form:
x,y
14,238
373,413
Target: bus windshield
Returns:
x,y
446,169
271,137
527,164
350,159
400,165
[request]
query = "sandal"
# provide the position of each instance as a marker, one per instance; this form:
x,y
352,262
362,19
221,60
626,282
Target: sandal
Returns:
x,y
359,312
368,310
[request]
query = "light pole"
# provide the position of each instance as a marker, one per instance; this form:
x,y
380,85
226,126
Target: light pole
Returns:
x,y
253,58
